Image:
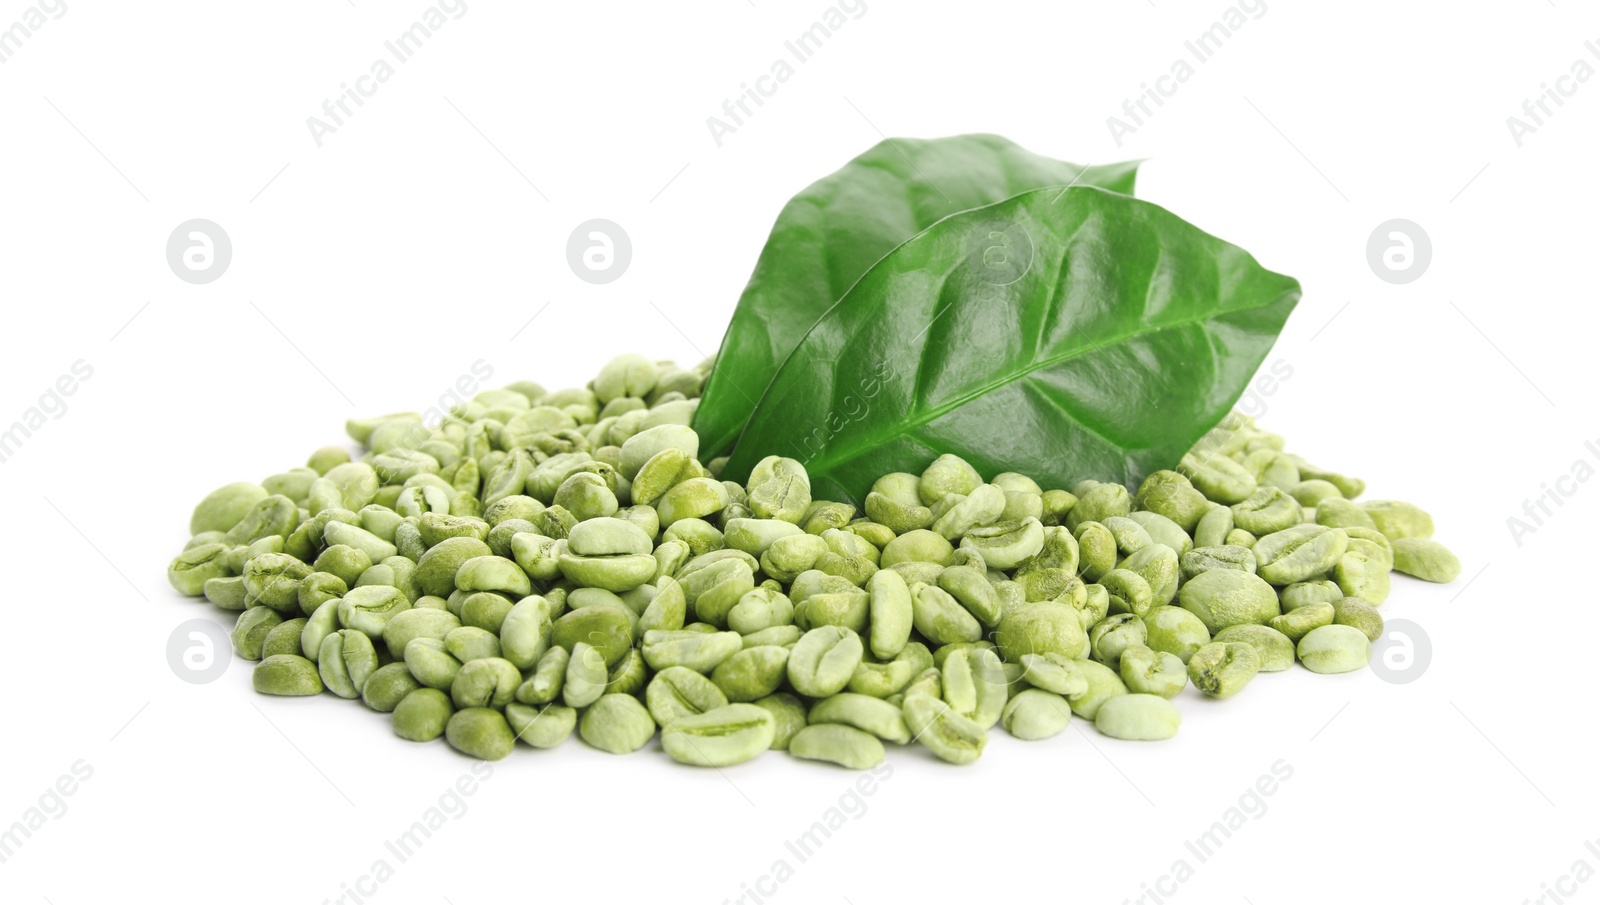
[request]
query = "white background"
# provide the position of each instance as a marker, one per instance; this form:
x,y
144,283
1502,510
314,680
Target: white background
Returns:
x,y
427,230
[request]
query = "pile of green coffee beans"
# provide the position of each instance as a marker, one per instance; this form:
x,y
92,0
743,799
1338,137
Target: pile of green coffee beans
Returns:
x,y
541,563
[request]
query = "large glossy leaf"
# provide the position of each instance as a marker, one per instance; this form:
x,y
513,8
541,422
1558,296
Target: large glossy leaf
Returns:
x,y
1064,334
828,235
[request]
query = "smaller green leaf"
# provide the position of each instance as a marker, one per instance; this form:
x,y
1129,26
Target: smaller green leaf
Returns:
x,y
1064,334
827,236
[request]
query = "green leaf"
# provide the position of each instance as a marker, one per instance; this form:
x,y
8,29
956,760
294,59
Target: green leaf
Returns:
x,y
1064,334
828,235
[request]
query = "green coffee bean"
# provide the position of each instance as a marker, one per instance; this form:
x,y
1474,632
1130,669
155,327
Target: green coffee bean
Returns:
x,y
422,715
225,507
607,629
1273,648
480,732
1054,673
418,622
541,727
388,686
250,631
945,652
1138,717
345,660
1127,592
273,580
617,724
436,570
1162,530
1157,564
677,692
1093,605
548,679
1147,671
1204,559
286,674
1097,503
1305,593
375,548
752,673
429,662
1372,543
721,737
586,677
1214,526
1359,575
949,735
227,593
975,685
1297,622
486,682
837,743
878,717
469,643
940,618
780,635
1334,649
1360,614
926,682
1336,512
1422,558
369,609
1097,550
1114,634
880,680
1266,511
1224,597
1399,520
1041,628
823,661
1174,630
1057,506
1008,544
788,716
1221,479
1299,553
971,588
1170,494
1036,714
846,609
917,546
272,515
1222,669
284,638
699,651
